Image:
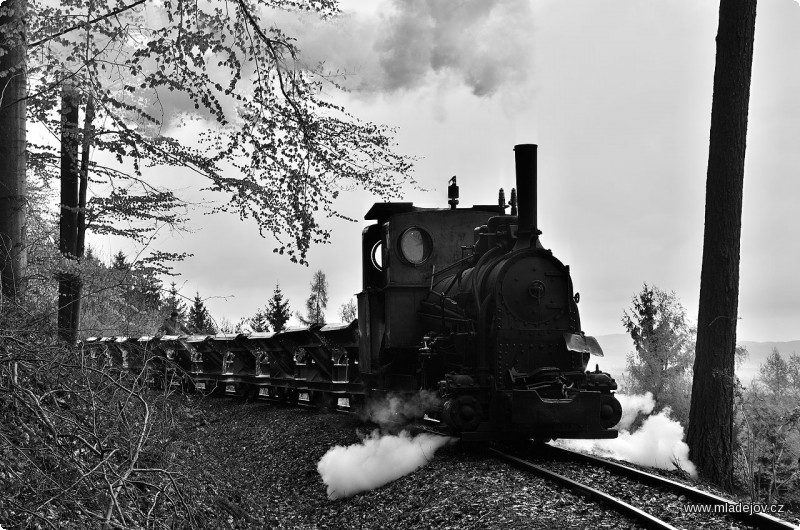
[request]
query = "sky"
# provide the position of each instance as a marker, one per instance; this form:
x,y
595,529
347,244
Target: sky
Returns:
x,y
617,94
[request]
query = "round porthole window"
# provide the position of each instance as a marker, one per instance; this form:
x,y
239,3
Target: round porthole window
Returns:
x,y
377,255
415,245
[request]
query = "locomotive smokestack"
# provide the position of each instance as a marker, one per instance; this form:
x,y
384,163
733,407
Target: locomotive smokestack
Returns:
x,y
525,158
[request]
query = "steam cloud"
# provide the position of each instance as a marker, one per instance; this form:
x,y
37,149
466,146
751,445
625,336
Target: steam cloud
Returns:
x,y
632,407
408,44
657,443
380,457
399,45
377,460
394,411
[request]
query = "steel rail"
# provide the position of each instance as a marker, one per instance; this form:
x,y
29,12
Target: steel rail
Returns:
x,y
621,506
760,520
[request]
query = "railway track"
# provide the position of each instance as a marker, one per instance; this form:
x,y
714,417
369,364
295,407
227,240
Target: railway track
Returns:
x,y
557,464
661,510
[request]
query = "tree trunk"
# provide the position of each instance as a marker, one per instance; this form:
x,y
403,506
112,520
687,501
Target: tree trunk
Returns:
x,y
68,220
70,287
13,91
74,183
84,174
710,435
69,283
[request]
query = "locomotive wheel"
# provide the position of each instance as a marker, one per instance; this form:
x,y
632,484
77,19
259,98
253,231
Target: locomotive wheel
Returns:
x,y
462,413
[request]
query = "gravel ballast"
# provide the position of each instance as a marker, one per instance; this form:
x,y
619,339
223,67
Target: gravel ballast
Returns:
x,y
254,465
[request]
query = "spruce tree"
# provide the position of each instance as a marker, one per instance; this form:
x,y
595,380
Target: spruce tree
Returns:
x,y
120,262
259,322
278,312
173,302
199,319
664,354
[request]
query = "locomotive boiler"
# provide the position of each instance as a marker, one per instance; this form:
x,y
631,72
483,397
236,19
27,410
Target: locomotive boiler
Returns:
x,y
463,306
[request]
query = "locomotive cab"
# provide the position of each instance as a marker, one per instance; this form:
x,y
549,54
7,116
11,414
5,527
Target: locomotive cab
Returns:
x,y
401,253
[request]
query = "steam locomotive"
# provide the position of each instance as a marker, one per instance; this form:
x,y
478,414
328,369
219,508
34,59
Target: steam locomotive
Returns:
x,y
463,304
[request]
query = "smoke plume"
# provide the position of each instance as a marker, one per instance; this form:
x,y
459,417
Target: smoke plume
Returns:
x,y
407,44
377,460
657,443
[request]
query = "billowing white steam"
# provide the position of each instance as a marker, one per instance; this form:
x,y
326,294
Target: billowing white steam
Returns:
x,y
657,443
397,411
407,44
377,460
380,457
632,407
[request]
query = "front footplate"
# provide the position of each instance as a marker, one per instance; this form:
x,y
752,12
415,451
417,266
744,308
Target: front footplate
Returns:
x,y
584,414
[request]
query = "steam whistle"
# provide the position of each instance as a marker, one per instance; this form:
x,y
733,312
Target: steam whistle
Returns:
x,y
452,193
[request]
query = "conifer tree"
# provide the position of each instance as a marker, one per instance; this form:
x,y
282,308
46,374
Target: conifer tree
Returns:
x,y
173,302
278,312
664,350
199,319
119,262
274,315
259,322
317,301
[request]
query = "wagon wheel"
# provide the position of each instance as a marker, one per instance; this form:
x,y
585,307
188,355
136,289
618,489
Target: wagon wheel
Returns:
x,y
246,391
323,400
289,395
273,393
251,392
357,403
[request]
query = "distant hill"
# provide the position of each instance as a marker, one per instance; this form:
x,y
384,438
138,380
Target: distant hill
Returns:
x,y
758,353
616,348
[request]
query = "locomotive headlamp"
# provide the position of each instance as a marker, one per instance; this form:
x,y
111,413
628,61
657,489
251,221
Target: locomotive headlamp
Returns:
x,y
415,245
